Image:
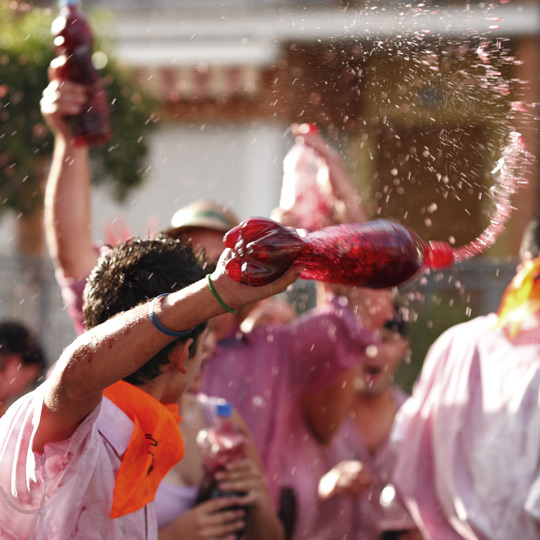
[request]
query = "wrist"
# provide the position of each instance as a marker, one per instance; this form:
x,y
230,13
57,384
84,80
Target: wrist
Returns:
x,y
64,145
217,296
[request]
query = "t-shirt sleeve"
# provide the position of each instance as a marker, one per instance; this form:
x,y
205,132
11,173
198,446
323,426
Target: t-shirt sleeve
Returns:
x,y
72,293
323,344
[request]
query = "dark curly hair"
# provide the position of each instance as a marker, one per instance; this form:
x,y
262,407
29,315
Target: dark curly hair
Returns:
x,y
134,272
16,338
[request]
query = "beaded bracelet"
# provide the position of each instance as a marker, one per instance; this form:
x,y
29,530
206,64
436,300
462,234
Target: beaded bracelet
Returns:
x,y
159,326
216,295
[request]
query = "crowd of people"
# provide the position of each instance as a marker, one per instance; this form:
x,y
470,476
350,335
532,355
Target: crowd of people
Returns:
x,y
105,444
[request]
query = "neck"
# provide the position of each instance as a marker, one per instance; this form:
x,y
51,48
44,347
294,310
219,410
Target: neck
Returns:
x,y
155,388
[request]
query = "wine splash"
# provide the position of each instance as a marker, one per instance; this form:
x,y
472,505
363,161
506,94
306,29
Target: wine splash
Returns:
x,y
376,254
509,174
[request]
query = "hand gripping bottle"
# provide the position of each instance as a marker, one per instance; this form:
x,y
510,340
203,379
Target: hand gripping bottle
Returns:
x,y
73,42
220,444
306,199
378,254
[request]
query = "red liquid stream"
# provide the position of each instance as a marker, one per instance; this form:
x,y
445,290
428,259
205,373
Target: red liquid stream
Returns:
x,y
510,173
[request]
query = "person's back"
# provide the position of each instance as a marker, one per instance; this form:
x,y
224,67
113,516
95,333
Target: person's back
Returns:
x,y
469,438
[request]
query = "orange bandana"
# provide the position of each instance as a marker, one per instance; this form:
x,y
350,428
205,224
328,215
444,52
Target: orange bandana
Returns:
x,y
520,305
155,446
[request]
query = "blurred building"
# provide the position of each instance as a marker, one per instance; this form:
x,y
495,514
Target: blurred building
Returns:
x,y
420,115
419,98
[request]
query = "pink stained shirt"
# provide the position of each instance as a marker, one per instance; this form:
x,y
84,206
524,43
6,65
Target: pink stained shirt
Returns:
x,y
264,373
345,518
72,292
66,492
361,518
468,440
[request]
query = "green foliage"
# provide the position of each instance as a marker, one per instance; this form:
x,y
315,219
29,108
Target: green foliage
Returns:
x,y
26,51
432,317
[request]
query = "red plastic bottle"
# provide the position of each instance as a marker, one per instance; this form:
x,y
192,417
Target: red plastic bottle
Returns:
x,y
378,254
73,41
220,444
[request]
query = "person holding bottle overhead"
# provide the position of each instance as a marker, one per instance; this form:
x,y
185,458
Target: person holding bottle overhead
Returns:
x,y
67,225
319,420
260,372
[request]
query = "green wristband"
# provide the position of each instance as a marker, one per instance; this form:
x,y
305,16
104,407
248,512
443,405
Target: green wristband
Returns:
x,y
216,295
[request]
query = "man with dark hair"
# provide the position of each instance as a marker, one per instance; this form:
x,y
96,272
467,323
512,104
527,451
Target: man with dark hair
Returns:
x,y
22,362
468,440
263,373
82,455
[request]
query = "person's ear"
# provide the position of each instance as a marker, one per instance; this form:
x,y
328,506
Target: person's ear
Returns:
x,y
179,354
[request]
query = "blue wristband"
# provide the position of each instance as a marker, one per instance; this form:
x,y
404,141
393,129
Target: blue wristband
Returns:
x,y
159,326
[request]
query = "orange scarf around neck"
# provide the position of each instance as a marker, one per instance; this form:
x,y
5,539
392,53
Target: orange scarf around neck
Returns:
x,y
155,446
520,305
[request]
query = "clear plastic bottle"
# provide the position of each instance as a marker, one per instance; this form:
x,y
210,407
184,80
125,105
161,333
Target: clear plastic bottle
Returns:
x,y
73,42
220,444
306,193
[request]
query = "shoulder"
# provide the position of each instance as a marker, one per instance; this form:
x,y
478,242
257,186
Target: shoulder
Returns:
x,y
114,426
469,331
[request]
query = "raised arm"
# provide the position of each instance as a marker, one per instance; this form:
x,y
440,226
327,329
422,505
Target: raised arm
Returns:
x,y
67,195
118,347
342,185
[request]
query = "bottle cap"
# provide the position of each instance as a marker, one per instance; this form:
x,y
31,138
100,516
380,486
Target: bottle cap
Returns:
x,y
439,255
224,410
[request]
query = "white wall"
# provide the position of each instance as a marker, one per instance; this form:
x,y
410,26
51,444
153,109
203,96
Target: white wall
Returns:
x,y
238,164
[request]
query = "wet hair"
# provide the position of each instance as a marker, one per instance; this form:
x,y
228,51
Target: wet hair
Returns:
x,y
16,338
530,243
134,272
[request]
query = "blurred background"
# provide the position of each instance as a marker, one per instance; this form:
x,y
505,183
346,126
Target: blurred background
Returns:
x,y
419,98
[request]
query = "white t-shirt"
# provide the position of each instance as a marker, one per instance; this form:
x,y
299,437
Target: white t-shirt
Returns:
x,y
65,493
468,440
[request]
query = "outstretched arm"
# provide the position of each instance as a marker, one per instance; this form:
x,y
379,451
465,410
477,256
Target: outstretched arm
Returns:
x,y
67,195
118,347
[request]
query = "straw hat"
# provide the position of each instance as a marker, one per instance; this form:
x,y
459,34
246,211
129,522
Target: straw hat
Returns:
x,y
204,214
